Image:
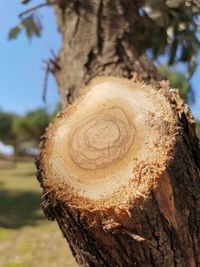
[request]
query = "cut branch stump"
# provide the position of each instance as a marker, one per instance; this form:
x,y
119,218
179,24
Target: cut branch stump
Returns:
x,y
120,173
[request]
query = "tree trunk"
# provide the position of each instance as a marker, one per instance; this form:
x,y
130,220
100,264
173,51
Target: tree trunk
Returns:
x,y
120,167
100,38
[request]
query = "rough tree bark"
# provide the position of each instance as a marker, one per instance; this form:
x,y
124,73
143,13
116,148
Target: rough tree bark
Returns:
x,y
120,167
100,38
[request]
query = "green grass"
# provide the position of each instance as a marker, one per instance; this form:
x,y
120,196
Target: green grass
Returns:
x,y
26,237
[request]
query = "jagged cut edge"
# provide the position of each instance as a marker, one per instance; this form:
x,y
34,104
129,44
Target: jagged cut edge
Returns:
x,y
146,174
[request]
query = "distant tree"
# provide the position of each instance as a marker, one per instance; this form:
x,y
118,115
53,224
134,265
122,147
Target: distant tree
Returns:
x,y
8,134
31,126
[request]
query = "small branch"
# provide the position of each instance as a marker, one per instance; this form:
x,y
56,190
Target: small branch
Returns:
x,y
50,66
44,91
53,54
55,65
35,8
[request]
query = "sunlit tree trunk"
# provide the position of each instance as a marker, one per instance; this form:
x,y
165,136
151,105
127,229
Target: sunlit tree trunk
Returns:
x,y
142,135
100,38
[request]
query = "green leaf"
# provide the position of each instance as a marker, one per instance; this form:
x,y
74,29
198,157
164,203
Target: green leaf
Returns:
x,y
189,51
173,50
14,32
25,1
192,67
31,27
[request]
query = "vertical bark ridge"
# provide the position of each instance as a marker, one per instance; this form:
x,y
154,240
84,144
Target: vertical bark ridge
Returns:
x,y
161,227
99,39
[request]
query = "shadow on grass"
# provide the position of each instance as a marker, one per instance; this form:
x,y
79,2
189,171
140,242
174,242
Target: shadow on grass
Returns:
x,y
18,209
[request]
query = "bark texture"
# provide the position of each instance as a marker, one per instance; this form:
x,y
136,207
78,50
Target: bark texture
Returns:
x,y
100,38
161,228
158,224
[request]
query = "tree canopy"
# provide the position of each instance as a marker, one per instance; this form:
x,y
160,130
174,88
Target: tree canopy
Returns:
x,y
168,27
31,126
23,131
7,131
178,80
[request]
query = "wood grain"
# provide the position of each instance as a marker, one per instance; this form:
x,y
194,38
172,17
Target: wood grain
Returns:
x,y
102,139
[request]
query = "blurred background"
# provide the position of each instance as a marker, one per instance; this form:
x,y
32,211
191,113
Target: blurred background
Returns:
x,y
28,103
26,237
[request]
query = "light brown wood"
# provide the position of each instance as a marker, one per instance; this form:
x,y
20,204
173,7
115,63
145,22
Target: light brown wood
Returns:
x,y
102,139
119,176
137,203
96,149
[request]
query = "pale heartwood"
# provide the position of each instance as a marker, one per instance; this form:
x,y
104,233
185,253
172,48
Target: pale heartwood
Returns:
x,y
120,166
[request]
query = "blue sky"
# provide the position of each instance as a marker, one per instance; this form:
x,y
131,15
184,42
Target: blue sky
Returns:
x,y
21,73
